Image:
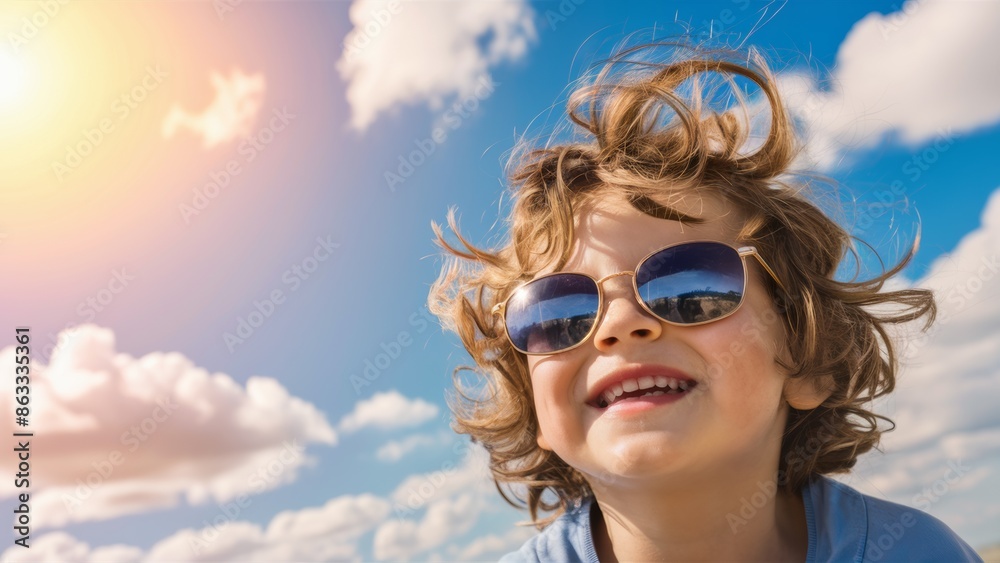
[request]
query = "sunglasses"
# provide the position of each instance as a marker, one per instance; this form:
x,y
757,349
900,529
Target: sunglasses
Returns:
x,y
684,284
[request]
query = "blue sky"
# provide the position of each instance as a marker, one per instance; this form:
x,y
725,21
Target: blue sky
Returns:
x,y
350,350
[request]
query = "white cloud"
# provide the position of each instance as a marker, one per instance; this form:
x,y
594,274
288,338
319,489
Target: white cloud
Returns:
x,y
230,115
327,533
948,426
472,474
390,58
388,410
491,546
451,500
445,518
394,450
62,547
133,434
921,72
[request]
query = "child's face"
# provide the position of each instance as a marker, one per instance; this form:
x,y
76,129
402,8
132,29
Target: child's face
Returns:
x,y
735,414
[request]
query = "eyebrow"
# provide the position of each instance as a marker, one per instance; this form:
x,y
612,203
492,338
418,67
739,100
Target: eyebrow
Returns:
x,y
651,207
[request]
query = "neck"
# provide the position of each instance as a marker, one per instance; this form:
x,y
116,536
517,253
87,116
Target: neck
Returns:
x,y
705,519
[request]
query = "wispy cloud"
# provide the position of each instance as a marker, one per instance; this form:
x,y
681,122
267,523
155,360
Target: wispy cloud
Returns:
x,y
388,410
394,450
390,58
134,434
230,115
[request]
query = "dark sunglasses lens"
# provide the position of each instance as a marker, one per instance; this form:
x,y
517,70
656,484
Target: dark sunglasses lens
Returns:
x,y
553,313
692,283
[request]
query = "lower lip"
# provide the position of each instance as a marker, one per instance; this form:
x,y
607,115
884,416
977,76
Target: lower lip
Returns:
x,y
640,404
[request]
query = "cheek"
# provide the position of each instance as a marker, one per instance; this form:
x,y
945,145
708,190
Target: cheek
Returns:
x,y
553,382
741,355
555,375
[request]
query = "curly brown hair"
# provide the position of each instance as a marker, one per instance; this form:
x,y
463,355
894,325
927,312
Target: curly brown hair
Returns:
x,y
649,133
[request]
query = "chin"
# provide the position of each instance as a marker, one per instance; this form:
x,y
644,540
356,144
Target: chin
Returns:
x,y
640,461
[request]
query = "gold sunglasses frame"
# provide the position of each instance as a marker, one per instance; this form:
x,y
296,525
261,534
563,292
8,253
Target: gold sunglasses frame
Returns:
x,y
742,251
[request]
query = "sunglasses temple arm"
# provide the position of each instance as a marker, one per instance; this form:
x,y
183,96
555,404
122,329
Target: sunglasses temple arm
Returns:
x,y
771,272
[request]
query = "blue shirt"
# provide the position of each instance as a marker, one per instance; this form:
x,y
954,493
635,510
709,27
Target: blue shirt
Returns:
x,y
844,525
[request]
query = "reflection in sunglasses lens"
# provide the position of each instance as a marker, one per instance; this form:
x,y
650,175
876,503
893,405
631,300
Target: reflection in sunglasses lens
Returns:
x,y
692,283
552,313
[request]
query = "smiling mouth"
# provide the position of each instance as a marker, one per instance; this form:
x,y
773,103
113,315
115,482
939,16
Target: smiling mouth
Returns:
x,y
633,389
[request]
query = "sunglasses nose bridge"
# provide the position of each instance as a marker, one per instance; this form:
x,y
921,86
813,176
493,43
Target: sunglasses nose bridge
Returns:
x,y
609,276
600,283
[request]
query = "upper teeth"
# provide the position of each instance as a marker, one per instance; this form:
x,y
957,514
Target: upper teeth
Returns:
x,y
645,382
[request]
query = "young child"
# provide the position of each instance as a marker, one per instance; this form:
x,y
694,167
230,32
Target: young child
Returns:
x,y
669,362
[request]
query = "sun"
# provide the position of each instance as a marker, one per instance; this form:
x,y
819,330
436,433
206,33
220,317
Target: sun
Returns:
x,y
13,79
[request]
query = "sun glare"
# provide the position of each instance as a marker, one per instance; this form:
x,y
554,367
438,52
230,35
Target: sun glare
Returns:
x,y
13,79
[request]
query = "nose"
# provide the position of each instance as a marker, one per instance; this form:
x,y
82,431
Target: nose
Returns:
x,y
624,319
